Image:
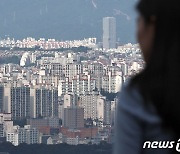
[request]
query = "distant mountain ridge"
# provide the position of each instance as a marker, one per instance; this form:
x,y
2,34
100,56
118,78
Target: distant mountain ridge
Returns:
x,y
65,19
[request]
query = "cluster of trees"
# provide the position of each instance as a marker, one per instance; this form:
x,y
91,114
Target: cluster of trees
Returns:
x,y
19,49
109,96
44,55
21,123
74,49
16,59
12,59
37,48
102,148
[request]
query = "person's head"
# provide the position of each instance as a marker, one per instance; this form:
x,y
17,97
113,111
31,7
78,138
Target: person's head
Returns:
x,y
158,24
159,38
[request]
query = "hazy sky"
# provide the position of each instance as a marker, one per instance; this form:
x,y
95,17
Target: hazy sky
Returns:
x,y
65,19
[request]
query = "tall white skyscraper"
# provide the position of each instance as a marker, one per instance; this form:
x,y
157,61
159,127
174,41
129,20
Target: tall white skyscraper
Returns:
x,y
109,32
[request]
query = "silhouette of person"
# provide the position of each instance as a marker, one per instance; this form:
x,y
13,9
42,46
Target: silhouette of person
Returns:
x,y
148,114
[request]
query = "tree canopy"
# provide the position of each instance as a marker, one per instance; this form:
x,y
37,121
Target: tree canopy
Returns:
x,y
102,148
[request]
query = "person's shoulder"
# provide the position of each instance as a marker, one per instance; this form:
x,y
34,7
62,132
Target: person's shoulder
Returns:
x,y
131,100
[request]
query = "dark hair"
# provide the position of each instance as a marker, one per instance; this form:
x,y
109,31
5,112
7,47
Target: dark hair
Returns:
x,y
159,82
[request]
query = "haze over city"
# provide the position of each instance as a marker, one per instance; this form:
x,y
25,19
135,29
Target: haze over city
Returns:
x,y
65,19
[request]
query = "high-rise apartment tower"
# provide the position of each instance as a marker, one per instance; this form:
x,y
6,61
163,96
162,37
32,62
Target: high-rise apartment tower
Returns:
x,y
109,32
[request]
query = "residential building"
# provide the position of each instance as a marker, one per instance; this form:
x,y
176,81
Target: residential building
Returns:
x,y
1,98
89,103
17,101
19,135
44,102
73,118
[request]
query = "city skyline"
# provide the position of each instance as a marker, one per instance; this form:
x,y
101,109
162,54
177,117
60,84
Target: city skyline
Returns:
x,y
63,96
62,66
